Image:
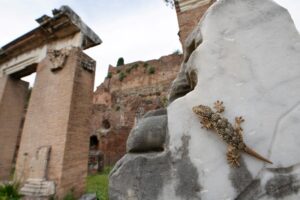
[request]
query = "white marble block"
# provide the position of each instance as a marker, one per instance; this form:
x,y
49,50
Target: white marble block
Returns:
x,y
250,59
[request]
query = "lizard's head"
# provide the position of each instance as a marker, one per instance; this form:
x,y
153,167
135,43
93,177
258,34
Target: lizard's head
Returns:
x,y
203,111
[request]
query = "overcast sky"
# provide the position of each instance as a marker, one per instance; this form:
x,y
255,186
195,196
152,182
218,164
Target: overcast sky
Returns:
x,y
133,29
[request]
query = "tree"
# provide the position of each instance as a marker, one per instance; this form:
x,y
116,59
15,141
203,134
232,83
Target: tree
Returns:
x,y
120,61
151,70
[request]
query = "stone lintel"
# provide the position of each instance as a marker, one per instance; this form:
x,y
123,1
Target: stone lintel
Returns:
x,y
64,23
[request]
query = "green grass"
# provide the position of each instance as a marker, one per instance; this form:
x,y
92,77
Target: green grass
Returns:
x,y
98,184
9,191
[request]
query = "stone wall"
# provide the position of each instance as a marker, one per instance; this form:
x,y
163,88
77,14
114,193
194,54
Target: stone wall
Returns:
x,y
118,104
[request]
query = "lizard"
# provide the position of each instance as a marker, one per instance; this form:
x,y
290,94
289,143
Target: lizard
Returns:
x,y
231,134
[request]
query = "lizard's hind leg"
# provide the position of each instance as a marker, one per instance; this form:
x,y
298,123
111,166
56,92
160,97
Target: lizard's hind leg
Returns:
x,y
237,127
233,156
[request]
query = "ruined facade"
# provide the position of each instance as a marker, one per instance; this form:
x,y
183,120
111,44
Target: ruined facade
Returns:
x,y
53,150
119,103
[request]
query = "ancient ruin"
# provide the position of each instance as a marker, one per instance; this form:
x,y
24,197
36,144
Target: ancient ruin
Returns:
x,y
245,53
119,104
53,150
141,118
130,90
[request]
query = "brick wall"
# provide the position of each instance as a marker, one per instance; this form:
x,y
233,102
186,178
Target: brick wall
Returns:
x,y
121,102
58,116
13,94
189,13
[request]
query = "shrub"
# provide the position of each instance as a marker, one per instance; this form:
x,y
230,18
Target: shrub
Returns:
x,y
10,191
122,76
177,52
109,75
128,70
135,66
118,70
151,70
145,65
164,101
120,61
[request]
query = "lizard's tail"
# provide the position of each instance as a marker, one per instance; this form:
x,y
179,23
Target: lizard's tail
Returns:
x,y
256,155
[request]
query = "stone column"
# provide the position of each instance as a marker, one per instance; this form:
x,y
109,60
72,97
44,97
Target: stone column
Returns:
x,y
58,116
13,93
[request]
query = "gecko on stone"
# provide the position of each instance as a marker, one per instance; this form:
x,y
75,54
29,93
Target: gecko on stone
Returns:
x,y
232,135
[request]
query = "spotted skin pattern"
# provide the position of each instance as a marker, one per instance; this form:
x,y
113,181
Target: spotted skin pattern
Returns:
x,y
232,135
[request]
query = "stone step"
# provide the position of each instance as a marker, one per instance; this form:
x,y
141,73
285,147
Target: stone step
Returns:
x,y
36,180
34,185
34,190
38,188
33,194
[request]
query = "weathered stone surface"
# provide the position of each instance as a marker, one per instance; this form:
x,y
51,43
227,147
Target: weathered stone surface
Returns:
x,y
158,112
39,163
249,58
180,86
148,135
58,58
38,189
146,174
90,38
148,171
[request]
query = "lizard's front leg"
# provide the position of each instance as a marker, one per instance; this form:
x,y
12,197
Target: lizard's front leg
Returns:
x,y
206,123
218,105
233,156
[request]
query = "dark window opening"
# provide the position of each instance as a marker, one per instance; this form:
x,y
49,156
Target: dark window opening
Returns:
x,y
94,142
105,124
